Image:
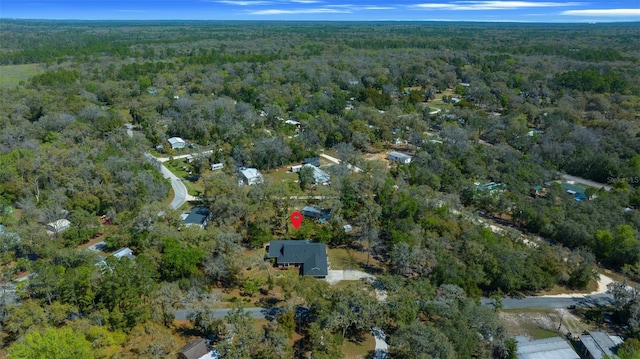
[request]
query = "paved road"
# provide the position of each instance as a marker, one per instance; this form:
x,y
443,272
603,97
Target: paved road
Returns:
x,y
203,153
180,191
552,302
584,181
256,313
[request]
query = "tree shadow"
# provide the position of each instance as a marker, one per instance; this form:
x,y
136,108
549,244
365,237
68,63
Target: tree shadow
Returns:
x,y
268,302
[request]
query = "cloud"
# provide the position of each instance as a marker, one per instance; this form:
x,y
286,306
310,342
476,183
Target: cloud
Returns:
x,y
603,12
491,5
319,10
243,2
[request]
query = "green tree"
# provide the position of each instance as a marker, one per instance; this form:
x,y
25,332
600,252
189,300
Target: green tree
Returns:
x,y
306,178
179,262
53,343
421,341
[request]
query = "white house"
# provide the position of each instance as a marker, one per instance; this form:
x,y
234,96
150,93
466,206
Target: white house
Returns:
x,y
58,226
124,252
251,176
177,142
399,157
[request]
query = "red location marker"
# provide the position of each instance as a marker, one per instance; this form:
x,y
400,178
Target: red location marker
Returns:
x,y
296,219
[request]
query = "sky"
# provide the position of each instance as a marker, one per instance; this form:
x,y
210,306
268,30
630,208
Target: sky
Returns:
x,y
535,11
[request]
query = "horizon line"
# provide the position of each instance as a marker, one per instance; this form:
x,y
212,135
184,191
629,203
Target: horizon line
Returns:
x,y
584,22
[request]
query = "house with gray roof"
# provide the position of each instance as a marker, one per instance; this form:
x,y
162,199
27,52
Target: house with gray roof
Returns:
x,y
550,348
319,176
124,252
310,257
251,176
59,226
177,142
197,217
596,345
320,214
197,349
399,157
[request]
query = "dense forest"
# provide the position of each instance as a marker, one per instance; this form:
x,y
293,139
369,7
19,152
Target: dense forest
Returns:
x,y
521,106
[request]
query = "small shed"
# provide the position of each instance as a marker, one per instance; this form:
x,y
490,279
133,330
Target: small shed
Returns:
x,y
177,142
399,157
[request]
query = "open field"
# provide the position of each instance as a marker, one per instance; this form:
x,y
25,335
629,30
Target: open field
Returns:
x,y
346,258
360,349
11,75
540,323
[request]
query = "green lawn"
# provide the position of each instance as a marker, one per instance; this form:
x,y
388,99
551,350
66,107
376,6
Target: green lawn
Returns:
x,y
11,75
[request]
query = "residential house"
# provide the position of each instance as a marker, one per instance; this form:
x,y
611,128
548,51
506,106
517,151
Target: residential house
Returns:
x,y
58,226
197,217
552,348
321,215
596,345
310,257
198,349
319,176
578,192
251,176
177,142
399,157
314,161
124,252
217,166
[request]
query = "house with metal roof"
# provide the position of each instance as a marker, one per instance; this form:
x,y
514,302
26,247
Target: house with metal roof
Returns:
x,y
319,176
596,345
58,226
177,142
578,192
197,349
399,157
197,217
550,348
310,257
124,252
320,214
251,176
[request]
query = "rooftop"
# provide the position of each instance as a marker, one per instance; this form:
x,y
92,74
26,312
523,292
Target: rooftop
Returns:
x,y
551,348
312,256
197,217
599,344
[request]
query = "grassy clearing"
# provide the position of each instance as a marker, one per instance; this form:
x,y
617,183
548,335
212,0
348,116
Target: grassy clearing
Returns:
x,y
557,289
11,75
358,350
541,323
345,258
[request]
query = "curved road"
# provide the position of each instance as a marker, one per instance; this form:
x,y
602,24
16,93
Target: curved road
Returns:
x,y
181,195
